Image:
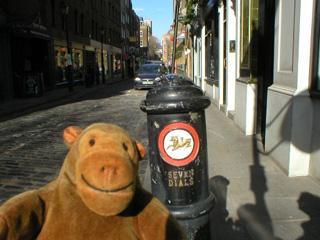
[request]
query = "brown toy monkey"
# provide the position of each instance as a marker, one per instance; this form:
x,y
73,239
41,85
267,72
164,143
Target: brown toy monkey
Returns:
x,y
97,195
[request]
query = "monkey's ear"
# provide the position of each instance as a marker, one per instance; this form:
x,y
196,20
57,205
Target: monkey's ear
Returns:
x,y
70,134
141,150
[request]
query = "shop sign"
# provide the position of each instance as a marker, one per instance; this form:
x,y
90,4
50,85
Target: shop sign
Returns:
x,y
133,39
183,12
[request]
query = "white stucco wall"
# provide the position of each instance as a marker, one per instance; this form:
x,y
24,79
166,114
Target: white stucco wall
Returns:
x,y
289,106
246,105
278,130
315,144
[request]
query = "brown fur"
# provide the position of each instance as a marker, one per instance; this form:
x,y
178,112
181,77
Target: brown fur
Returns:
x,y
97,195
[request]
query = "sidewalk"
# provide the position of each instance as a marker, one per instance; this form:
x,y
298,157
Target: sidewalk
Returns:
x,y
251,189
13,107
255,199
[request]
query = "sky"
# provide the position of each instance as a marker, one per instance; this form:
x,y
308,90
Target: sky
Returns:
x,y
160,12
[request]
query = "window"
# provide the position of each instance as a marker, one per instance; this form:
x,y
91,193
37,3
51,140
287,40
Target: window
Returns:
x,y
249,39
63,22
82,24
104,8
97,31
53,12
76,25
141,33
315,84
141,43
92,29
101,6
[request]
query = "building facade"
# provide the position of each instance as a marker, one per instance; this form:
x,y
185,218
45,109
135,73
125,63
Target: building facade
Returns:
x,y
129,37
145,34
167,48
259,62
42,43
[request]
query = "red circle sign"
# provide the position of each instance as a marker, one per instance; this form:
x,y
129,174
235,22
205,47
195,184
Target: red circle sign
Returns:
x,y
179,144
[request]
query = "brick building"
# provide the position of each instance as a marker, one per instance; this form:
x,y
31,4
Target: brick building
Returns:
x,y
145,33
35,33
130,37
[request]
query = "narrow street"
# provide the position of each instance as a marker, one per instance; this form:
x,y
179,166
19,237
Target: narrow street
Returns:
x,y
31,146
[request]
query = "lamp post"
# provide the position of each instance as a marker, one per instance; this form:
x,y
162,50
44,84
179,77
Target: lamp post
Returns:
x,y
102,31
122,58
64,8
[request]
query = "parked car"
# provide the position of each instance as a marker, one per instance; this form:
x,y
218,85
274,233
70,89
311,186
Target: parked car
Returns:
x,y
153,62
147,75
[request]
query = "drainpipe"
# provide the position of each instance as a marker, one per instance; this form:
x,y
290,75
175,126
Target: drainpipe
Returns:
x,y
175,35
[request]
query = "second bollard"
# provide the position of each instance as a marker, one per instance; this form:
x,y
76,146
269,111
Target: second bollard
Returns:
x,y
178,152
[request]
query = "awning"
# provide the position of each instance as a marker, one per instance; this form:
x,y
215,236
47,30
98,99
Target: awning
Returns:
x,y
31,32
30,28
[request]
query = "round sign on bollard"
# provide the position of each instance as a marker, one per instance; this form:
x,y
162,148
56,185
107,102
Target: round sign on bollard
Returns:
x,y
178,144
178,152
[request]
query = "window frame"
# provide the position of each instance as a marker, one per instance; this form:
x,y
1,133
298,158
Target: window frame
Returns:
x,y
315,80
249,48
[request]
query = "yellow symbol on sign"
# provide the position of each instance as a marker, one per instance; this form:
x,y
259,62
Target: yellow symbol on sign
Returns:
x,y
179,144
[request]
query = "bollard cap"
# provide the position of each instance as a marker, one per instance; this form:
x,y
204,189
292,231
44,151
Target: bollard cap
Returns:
x,y
174,80
175,94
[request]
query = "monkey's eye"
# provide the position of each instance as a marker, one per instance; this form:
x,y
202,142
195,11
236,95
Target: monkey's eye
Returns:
x,y
92,142
125,147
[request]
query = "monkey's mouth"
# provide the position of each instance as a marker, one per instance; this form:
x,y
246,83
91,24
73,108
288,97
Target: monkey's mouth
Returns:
x,y
105,190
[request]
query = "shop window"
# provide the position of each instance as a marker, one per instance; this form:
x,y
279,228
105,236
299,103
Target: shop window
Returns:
x,y
249,39
60,63
315,84
209,49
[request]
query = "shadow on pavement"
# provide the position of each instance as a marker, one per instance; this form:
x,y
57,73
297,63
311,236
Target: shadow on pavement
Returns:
x,y
223,227
13,108
310,204
256,216
253,218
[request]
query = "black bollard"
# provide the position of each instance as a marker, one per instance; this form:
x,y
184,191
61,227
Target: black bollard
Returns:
x,y
178,152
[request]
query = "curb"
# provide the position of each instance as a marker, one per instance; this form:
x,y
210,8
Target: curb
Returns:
x,y
12,109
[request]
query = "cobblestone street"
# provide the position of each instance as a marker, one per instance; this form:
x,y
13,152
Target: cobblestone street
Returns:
x,y
32,149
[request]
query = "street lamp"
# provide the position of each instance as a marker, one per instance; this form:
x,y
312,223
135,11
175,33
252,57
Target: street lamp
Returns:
x,y
102,31
64,8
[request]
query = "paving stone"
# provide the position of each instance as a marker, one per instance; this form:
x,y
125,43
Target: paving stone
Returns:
x,y
32,152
